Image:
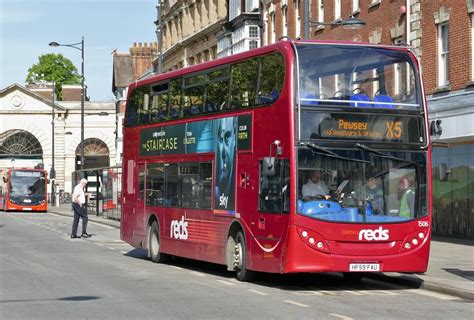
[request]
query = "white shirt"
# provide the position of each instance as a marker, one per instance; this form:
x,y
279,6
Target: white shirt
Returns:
x,y
314,189
79,193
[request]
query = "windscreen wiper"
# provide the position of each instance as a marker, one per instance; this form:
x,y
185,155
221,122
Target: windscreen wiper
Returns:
x,y
325,152
383,155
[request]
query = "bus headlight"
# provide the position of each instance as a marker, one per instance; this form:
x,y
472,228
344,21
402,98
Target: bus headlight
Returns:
x,y
313,239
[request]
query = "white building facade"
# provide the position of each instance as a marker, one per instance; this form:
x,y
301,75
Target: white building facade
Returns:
x,y
26,137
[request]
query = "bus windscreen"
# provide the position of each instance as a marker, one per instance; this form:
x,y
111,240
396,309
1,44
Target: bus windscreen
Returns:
x,y
357,76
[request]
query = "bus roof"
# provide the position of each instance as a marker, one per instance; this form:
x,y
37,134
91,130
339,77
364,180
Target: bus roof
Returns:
x,y
282,45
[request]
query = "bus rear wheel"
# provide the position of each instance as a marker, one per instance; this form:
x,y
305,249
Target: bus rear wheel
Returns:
x,y
154,245
240,260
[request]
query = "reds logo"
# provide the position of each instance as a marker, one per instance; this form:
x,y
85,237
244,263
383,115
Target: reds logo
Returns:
x,y
377,234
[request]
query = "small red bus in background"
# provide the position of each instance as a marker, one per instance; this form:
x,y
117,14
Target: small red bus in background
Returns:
x,y
24,189
301,156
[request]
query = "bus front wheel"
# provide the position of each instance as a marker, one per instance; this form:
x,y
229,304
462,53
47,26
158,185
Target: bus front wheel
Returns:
x,y
154,244
240,260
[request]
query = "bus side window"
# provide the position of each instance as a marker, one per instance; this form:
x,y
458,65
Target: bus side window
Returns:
x,y
243,84
175,93
144,106
271,76
135,103
173,188
217,90
274,190
155,184
193,95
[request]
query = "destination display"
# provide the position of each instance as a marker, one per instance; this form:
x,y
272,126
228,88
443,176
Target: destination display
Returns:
x,y
385,128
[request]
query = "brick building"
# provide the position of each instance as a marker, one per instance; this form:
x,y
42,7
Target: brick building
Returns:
x,y
128,67
189,31
441,33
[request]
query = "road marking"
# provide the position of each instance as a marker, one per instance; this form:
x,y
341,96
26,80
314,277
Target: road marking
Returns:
x,y
353,292
124,252
175,267
431,294
377,293
307,293
340,316
296,303
198,273
226,282
258,292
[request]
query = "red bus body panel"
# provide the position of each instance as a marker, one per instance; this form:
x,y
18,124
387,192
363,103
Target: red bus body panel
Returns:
x,y
274,241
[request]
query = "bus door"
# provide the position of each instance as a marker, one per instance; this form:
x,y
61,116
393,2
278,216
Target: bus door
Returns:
x,y
140,200
270,221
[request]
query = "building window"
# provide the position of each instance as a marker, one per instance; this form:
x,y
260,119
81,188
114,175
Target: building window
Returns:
x,y
337,10
253,44
355,6
443,54
272,19
472,47
267,27
321,11
284,13
297,19
253,32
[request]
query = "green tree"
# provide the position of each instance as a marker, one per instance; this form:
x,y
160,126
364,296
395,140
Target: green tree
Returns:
x,y
54,67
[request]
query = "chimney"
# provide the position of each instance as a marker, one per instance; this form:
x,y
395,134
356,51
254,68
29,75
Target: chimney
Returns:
x,y
44,89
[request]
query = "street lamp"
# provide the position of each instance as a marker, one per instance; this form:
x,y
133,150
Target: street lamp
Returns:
x,y
350,23
52,173
81,48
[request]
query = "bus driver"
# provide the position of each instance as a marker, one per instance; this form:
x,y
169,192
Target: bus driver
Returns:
x,y
315,186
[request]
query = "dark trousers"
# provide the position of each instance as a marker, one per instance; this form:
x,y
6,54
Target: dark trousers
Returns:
x,y
79,212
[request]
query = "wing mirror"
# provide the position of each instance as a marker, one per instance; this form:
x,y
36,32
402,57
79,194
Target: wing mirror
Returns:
x,y
443,172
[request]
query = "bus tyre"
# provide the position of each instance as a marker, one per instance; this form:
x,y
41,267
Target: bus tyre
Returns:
x,y
240,259
154,245
353,277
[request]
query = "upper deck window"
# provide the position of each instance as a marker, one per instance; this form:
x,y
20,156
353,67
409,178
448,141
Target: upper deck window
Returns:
x,y
252,82
357,76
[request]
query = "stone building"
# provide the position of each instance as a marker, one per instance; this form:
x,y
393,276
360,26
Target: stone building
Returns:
x,y
26,133
128,67
189,31
441,34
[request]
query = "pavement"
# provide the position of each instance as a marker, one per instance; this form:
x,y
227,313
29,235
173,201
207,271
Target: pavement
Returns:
x,y
450,270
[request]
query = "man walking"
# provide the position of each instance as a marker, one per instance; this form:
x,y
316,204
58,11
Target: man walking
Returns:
x,y
80,210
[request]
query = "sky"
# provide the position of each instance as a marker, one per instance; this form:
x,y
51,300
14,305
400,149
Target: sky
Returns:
x,y
28,26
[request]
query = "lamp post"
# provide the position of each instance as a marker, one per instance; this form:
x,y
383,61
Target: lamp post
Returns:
x,y
81,48
52,173
350,23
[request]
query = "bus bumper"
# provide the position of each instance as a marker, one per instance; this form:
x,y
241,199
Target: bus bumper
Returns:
x,y
303,256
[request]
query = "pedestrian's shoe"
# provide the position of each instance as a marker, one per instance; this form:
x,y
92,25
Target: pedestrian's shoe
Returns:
x,y
73,236
86,235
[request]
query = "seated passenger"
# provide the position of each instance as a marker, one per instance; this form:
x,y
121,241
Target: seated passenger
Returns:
x,y
315,186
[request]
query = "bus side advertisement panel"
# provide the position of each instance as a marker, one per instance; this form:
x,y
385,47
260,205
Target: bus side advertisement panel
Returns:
x,y
224,137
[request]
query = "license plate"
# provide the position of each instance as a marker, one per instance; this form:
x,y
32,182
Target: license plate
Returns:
x,y
27,209
360,267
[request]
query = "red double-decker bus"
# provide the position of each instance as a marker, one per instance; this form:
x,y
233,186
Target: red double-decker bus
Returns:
x,y
301,156
24,189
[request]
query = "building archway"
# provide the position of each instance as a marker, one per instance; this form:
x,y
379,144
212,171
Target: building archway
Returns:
x,y
20,144
96,154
